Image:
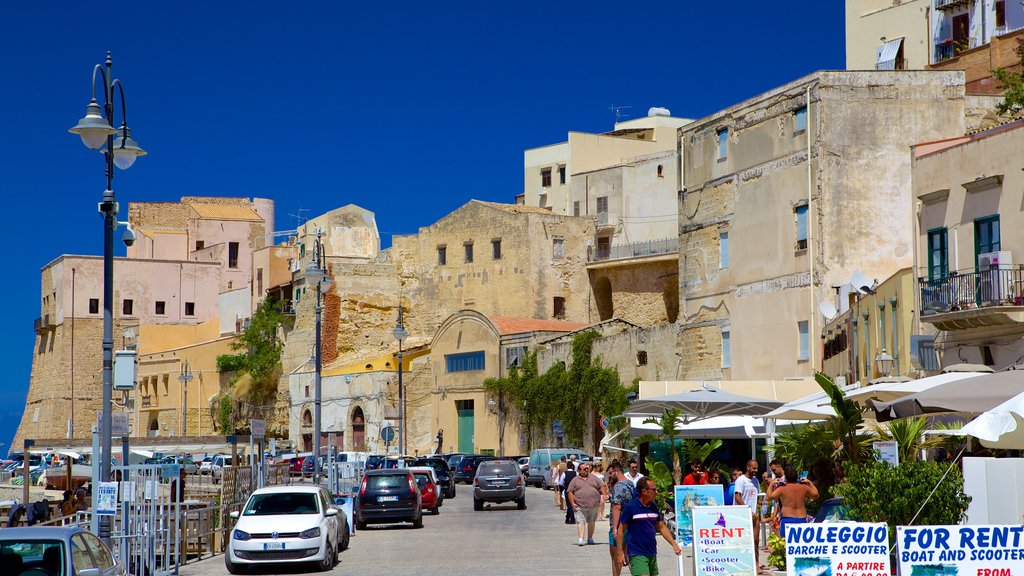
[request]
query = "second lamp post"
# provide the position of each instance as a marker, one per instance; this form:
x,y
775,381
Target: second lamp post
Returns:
x,y
400,334
316,273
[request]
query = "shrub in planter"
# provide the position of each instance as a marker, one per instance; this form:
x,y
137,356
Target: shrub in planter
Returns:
x,y
878,492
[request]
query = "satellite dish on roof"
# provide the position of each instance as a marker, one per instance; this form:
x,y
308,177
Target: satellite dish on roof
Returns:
x,y
828,310
861,283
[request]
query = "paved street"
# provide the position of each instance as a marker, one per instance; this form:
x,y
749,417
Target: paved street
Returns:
x,y
507,541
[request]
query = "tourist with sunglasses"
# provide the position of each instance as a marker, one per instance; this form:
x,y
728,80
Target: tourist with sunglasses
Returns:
x,y
639,526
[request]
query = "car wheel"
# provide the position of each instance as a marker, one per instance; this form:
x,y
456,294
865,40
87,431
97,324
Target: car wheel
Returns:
x,y
451,491
327,562
435,511
521,503
360,524
345,537
478,504
418,522
231,566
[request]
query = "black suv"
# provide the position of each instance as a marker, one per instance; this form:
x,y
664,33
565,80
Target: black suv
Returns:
x,y
443,472
387,497
466,468
498,481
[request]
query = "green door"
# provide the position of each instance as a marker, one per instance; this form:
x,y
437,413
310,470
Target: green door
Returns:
x,y
465,410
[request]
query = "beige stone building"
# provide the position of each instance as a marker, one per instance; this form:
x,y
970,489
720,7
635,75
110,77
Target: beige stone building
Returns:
x,y
468,348
548,171
191,264
969,233
164,404
888,34
787,195
870,326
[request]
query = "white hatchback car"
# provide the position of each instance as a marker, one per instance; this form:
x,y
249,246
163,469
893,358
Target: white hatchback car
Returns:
x,y
287,524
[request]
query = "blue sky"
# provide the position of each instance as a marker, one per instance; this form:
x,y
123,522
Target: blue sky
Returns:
x,y
407,109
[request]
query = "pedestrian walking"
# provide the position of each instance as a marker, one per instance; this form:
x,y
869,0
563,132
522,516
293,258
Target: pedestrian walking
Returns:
x,y
620,492
633,474
598,472
563,482
747,489
792,495
639,526
584,494
555,473
730,490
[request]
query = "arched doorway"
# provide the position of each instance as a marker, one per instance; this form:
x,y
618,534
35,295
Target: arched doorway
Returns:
x,y
307,430
154,427
603,298
358,430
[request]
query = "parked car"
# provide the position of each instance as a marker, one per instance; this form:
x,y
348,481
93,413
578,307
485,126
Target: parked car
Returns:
x,y
442,471
56,551
185,462
287,524
206,466
524,464
220,462
295,464
540,463
467,467
430,490
498,481
389,496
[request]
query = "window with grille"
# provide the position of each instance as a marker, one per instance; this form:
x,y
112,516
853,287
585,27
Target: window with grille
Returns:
x,y
464,362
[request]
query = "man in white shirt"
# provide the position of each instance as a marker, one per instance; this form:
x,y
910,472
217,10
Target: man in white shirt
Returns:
x,y
747,489
633,474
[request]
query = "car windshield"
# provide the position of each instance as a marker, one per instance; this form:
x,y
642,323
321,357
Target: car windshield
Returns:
x,y
277,503
387,481
497,467
46,554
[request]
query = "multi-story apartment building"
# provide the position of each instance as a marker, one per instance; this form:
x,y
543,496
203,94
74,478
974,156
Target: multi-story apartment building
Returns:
x,y
548,171
191,264
976,36
786,195
888,34
969,241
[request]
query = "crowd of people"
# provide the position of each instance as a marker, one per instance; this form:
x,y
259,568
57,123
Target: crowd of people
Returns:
x,y
634,520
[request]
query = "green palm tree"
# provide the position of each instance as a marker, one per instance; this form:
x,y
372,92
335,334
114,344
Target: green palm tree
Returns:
x,y
669,424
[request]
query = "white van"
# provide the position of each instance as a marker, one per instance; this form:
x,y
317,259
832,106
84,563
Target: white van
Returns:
x,y
541,460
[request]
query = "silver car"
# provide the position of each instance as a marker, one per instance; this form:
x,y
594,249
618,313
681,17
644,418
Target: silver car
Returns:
x,y
55,551
498,481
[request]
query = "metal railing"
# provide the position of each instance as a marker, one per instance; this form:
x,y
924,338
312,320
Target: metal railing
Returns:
x,y
634,250
972,290
944,51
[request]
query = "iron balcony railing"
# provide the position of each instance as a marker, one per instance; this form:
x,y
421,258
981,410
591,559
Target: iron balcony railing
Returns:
x,y
972,290
634,250
944,51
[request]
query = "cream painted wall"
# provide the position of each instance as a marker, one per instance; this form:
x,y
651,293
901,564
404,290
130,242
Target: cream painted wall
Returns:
x,y
234,306
867,21
996,153
144,282
550,157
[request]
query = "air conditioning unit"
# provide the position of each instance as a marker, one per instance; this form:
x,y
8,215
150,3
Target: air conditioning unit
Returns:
x,y
1002,260
995,282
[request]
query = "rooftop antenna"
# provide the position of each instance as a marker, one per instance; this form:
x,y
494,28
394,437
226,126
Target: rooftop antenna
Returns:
x,y
619,115
299,218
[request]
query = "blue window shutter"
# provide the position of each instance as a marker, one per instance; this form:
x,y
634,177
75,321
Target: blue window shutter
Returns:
x,y
801,223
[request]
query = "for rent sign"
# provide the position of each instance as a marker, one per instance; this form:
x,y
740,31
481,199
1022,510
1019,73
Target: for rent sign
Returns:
x,y
961,550
847,549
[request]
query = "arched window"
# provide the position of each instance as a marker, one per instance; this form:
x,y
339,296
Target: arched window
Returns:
x,y
358,430
307,418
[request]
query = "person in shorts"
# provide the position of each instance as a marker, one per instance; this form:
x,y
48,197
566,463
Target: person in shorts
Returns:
x,y
620,493
639,526
584,495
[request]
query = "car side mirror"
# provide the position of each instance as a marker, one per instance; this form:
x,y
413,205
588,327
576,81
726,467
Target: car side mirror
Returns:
x,y
331,512
235,514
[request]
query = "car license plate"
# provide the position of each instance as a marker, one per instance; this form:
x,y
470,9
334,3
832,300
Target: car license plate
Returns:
x,y
501,483
387,498
273,545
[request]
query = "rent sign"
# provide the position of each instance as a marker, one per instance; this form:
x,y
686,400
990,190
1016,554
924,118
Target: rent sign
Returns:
x,y
847,549
723,541
961,550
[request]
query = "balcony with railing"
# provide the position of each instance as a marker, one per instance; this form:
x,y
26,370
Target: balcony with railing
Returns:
x,y
634,250
606,220
43,323
962,301
148,402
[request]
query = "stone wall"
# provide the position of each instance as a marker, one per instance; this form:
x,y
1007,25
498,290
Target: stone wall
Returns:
x,y
644,293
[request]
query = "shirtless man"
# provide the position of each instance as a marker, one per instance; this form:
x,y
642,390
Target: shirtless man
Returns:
x,y
793,495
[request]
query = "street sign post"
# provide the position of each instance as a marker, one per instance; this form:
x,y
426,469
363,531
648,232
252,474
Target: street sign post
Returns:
x,y
258,428
604,423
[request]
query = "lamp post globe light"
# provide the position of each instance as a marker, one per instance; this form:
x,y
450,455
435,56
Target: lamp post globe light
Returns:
x,y
316,274
96,130
400,334
884,362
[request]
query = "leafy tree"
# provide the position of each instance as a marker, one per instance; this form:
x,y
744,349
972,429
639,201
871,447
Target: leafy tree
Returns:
x,y
669,424
908,434
877,492
851,445
810,447
1012,83
225,416
262,345
659,473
